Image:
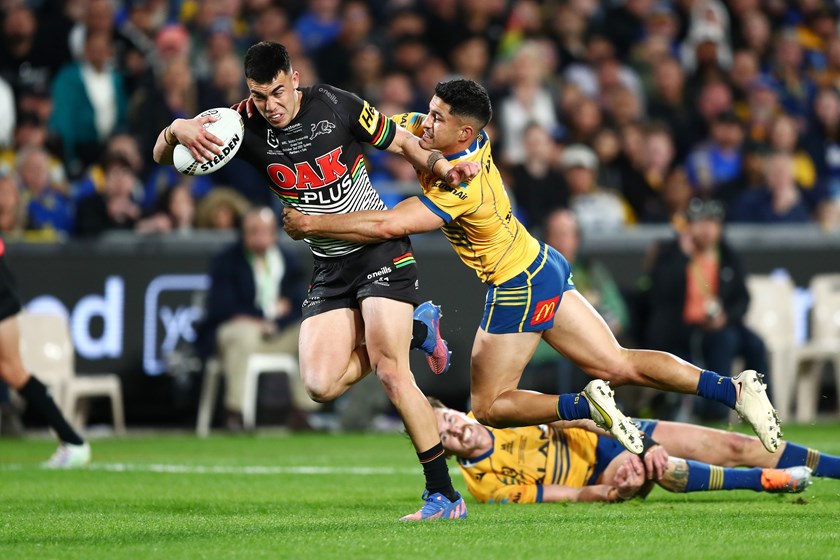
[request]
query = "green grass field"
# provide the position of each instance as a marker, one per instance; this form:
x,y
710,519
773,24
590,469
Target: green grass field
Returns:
x,y
322,496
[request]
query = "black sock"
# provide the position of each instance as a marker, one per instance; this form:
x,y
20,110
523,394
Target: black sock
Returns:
x,y
437,472
418,334
36,395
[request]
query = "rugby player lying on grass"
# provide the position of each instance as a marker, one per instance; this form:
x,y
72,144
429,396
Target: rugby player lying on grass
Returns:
x,y
576,461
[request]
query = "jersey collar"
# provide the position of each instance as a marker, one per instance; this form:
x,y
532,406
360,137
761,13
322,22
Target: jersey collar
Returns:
x,y
476,145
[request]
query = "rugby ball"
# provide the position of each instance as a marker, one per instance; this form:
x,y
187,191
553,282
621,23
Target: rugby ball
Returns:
x,y
228,127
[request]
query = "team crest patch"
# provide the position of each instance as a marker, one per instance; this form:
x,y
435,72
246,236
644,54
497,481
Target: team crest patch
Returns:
x,y
545,310
271,140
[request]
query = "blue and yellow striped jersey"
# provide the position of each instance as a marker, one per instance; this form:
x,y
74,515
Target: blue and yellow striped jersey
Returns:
x,y
524,459
479,220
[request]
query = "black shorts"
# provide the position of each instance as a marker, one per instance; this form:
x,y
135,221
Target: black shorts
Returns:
x,y
383,270
9,298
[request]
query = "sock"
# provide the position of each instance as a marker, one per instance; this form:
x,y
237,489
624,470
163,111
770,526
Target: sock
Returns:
x,y
822,464
437,472
418,334
717,388
702,477
573,406
36,395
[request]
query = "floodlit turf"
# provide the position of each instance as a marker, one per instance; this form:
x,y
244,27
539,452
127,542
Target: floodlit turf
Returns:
x,y
321,496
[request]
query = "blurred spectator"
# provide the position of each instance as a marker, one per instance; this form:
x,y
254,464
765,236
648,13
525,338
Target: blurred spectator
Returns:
x,y
676,195
641,184
624,24
719,159
48,208
595,209
529,100
567,26
592,279
537,186
470,58
115,207
222,209
584,121
795,88
668,103
699,300
271,22
762,107
822,140
253,306
779,202
318,25
226,85
584,75
757,34
90,104
175,212
607,147
333,58
783,136
745,70
29,58
12,209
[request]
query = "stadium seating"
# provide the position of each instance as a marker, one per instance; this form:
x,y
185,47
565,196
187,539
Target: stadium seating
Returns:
x,y
258,364
47,350
823,346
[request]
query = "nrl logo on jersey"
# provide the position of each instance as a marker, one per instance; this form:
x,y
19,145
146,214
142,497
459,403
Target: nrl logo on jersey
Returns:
x,y
323,127
272,140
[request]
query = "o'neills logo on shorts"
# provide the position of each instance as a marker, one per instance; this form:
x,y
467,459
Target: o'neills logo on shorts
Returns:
x,y
380,272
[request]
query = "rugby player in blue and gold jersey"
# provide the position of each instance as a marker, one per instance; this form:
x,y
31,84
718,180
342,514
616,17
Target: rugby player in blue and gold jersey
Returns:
x,y
572,461
530,290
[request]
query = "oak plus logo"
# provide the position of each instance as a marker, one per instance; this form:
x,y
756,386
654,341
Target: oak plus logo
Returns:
x,y
170,316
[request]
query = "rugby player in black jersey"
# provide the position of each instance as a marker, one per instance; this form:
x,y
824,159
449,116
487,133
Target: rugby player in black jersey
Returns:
x,y
358,311
73,451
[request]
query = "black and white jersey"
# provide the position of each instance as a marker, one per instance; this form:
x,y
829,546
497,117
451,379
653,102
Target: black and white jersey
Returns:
x,y
315,165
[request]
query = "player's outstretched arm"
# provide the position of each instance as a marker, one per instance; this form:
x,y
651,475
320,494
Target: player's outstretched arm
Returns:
x,y
408,146
190,133
369,226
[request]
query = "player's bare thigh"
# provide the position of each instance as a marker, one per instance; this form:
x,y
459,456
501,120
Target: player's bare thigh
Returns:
x,y
580,334
388,327
327,341
498,361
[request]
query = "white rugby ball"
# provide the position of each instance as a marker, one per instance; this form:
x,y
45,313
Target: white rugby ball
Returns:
x,y
229,128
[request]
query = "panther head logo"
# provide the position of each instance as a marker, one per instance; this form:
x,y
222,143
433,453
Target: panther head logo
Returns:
x,y
322,127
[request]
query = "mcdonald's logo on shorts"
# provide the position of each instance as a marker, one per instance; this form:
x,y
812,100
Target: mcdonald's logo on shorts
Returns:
x,y
544,310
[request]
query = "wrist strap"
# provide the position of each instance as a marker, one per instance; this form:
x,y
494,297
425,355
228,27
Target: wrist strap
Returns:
x,y
168,130
647,443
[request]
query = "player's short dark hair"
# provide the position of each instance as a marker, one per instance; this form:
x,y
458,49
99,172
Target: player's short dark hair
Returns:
x,y
466,98
435,402
266,59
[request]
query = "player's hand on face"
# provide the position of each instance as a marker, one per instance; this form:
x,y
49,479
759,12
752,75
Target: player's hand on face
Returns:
x,y
656,462
245,107
292,223
462,172
191,134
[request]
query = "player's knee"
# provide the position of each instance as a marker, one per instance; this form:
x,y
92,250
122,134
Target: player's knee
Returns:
x,y
320,389
484,413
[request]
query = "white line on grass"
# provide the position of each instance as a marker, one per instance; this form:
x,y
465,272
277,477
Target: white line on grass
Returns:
x,y
248,470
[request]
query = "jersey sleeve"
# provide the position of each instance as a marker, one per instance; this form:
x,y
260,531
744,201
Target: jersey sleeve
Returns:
x,y
366,124
412,122
516,494
448,202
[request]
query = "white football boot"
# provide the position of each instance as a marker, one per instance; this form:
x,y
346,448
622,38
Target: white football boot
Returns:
x,y
753,406
606,415
69,456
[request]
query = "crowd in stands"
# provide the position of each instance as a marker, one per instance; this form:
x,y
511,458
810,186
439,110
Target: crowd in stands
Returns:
x,y
621,111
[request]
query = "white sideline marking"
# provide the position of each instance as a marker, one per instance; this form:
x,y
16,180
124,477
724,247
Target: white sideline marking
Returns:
x,y
249,470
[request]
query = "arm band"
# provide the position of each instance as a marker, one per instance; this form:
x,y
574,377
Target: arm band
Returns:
x,y
168,130
647,443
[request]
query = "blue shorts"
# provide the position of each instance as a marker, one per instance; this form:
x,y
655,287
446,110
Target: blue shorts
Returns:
x,y
528,301
608,449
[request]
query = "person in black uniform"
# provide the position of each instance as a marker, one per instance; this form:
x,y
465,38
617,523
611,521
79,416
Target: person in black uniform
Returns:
x,y
357,316
73,450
